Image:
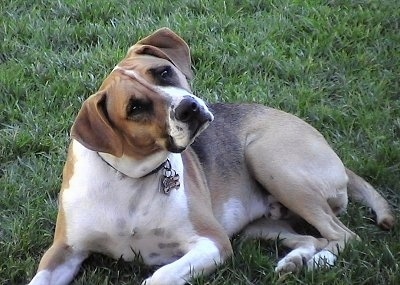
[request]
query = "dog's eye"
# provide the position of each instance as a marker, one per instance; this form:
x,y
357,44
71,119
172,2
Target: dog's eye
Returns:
x,y
138,107
165,73
162,72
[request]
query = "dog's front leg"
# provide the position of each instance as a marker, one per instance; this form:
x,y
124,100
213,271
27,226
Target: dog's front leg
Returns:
x,y
202,258
58,265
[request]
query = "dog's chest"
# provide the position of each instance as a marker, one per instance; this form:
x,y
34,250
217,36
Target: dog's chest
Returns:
x,y
125,217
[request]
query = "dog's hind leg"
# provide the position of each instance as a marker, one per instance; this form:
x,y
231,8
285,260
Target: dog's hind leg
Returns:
x,y
309,189
304,247
309,196
315,210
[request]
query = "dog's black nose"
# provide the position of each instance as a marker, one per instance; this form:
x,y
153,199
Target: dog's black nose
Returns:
x,y
187,109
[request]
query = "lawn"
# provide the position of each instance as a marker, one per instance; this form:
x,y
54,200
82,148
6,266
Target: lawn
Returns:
x,y
336,64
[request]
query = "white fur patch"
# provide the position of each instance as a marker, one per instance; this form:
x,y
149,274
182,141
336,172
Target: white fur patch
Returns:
x,y
233,215
43,277
61,275
237,213
123,216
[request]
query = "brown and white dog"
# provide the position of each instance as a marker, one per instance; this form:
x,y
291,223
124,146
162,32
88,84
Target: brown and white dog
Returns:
x,y
140,180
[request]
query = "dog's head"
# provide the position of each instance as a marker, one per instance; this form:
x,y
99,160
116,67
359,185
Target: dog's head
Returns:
x,y
145,105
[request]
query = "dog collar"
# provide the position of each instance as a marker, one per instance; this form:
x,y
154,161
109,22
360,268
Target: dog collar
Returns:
x,y
157,169
169,178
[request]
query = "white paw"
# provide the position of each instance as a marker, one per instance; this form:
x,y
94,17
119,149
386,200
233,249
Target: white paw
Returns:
x,y
289,264
323,258
295,260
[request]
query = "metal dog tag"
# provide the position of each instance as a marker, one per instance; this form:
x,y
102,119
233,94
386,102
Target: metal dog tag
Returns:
x,y
169,179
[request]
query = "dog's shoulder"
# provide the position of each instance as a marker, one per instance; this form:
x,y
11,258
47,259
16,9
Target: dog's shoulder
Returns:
x,y
225,138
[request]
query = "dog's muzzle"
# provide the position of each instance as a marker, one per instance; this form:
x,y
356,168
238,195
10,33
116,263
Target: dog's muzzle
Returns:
x,y
190,111
193,117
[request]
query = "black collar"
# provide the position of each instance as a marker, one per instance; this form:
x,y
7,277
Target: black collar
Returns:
x,y
170,179
154,171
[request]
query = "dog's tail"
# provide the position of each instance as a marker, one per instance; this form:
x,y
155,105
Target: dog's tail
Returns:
x,y
362,191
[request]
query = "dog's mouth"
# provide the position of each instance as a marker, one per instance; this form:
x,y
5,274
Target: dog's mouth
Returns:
x,y
173,147
194,130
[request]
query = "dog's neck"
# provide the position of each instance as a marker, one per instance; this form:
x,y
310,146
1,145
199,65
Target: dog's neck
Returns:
x,y
136,168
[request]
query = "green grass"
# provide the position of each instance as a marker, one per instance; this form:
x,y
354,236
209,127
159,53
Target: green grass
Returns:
x,y
333,63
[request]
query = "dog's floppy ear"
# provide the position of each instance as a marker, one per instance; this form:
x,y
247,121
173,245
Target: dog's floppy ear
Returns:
x,y
164,43
93,129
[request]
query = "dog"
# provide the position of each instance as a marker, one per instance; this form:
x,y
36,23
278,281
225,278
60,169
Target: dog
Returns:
x,y
154,172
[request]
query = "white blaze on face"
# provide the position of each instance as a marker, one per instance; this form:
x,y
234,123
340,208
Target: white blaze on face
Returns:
x,y
179,130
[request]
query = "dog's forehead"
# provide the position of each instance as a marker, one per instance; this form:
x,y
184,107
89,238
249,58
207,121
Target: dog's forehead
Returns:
x,y
139,62
135,78
122,87
143,64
